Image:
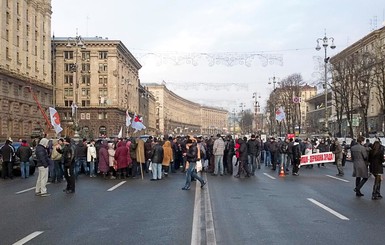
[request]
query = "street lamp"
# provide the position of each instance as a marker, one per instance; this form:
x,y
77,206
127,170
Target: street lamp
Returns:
x,y
242,105
257,108
78,43
325,44
274,81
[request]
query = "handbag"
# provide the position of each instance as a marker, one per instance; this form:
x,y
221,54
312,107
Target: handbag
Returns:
x,y
150,166
199,166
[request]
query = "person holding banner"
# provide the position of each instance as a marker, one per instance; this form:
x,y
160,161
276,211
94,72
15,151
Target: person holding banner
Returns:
x,y
360,165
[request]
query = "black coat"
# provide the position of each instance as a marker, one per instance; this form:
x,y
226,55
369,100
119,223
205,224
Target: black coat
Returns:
x,y
24,153
42,158
157,154
243,155
375,161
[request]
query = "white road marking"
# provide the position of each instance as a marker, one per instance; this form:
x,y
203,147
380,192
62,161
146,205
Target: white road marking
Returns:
x,y
333,177
196,229
268,175
26,190
328,209
210,229
28,238
116,186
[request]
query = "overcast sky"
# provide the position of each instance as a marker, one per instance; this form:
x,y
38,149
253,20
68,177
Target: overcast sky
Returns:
x,y
162,33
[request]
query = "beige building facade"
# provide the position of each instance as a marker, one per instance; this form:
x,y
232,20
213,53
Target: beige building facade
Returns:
x,y
96,83
178,116
25,67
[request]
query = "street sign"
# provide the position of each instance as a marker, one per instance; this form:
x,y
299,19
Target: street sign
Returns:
x,y
297,100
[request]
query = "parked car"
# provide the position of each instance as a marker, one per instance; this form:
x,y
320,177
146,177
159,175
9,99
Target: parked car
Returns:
x,y
16,163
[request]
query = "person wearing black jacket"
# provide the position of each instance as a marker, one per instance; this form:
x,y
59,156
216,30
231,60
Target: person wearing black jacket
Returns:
x,y
7,152
42,164
253,151
157,159
243,157
24,152
296,157
230,154
192,157
69,165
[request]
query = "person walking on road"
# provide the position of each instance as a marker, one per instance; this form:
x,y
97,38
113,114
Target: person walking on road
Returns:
x,y
337,151
192,157
7,152
376,157
360,165
42,164
243,157
296,151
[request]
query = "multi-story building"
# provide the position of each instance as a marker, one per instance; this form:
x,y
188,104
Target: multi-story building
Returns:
x,y
25,67
96,83
359,81
178,116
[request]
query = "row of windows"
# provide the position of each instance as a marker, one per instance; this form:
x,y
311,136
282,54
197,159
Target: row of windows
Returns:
x,y
85,67
86,79
103,92
69,55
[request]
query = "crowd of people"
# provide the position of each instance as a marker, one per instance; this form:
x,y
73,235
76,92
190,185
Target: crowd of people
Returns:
x,y
120,158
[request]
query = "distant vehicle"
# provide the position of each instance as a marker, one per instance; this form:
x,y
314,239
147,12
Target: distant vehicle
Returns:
x,y
16,164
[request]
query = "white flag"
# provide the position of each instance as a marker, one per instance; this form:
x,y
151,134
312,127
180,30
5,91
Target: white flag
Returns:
x,y
280,114
74,107
55,120
120,135
128,119
137,123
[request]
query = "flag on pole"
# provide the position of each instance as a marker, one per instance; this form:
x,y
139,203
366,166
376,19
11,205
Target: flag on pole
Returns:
x,y
128,119
74,107
55,120
120,135
280,114
137,123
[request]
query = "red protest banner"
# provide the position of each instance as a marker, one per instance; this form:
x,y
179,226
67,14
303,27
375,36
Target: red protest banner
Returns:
x,y
317,158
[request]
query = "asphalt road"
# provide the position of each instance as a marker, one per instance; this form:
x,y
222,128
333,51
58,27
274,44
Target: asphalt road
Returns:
x,y
314,208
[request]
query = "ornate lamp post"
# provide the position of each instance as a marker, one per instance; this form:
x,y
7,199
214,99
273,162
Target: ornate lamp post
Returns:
x,y
77,43
257,109
325,44
274,81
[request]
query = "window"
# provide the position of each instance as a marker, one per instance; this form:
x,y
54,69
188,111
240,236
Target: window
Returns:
x,y
103,80
27,14
7,53
27,46
68,103
36,67
28,29
86,80
36,50
102,115
86,92
70,67
86,102
18,57
103,92
18,9
86,55
7,35
68,92
103,55
18,24
68,79
86,67
17,41
8,18
36,35
103,67
27,62
68,55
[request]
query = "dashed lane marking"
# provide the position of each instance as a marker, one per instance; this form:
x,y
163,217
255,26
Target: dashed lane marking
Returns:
x,y
26,190
268,175
328,209
116,186
28,238
333,177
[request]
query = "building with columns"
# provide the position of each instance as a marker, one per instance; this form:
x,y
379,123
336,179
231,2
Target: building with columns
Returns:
x,y
25,67
96,82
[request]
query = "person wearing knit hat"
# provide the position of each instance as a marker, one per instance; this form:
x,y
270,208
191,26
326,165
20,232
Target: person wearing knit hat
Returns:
x,y
42,164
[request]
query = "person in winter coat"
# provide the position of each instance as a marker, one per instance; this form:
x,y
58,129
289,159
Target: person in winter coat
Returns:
x,y
121,158
218,151
129,160
42,164
68,153
253,151
156,159
376,157
337,151
24,152
134,168
191,157
103,159
296,156
360,165
140,158
7,152
243,157
167,157
274,153
111,159
91,157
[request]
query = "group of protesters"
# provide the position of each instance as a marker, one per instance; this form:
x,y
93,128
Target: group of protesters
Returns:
x,y
221,155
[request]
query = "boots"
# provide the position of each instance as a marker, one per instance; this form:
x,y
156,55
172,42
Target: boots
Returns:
x,y
112,176
376,188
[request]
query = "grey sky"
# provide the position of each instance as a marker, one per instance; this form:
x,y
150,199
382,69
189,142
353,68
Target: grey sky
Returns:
x,y
155,29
